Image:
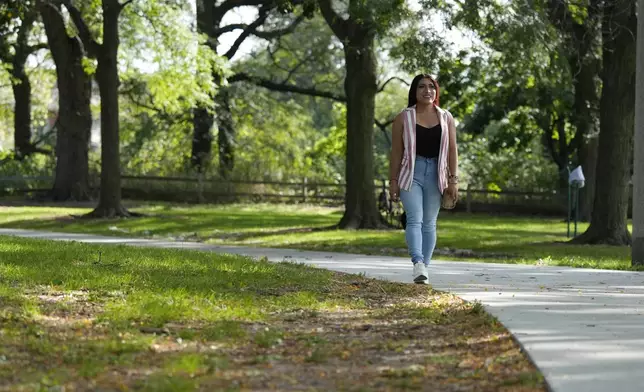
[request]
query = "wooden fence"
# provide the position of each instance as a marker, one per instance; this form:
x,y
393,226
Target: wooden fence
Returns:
x,y
203,190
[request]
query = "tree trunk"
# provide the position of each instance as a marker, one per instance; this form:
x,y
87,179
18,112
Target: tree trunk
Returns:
x,y
637,252
225,134
108,81
587,154
585,120
202,121
580,45
20,83
608,224
74,115
360,86
563,153
22,117
585,66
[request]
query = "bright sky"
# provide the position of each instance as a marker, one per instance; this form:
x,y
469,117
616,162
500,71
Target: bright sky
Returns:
x,y
238,15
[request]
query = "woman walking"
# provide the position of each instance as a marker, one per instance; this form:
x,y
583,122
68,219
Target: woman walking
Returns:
x,y
423,168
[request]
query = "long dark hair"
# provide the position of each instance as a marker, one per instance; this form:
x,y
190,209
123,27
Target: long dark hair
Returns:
x,y
411,101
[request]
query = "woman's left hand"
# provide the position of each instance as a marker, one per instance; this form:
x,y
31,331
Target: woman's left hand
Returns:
x,y
452,190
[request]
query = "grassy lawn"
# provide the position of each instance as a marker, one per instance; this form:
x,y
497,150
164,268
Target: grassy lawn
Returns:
x,y
113,318
461,236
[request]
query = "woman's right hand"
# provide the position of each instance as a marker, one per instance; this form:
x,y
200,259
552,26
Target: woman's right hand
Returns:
x,y
394,190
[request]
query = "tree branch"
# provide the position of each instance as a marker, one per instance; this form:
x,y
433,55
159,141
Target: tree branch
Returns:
x,y
292,71
267,35
4,55
263,15
230,28
382,88
337,24
283,87
162,114
21,46
223,8
383,127
90,44
126,3
37,47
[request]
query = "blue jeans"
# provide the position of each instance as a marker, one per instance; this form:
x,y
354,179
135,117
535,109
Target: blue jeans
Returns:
x,y
422,203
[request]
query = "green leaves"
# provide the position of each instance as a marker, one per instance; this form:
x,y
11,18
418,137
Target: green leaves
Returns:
x,y
178,65
509,168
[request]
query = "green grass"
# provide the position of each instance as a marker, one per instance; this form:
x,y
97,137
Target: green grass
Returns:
x,y
461,236
47,289
177,320
156,286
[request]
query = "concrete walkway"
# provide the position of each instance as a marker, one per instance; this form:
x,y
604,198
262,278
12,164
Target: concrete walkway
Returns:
x,y
583,328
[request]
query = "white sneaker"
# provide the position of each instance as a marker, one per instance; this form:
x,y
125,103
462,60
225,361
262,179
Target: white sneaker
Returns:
x,y
420,273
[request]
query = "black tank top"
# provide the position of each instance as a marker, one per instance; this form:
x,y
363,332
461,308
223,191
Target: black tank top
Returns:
x,y
428,141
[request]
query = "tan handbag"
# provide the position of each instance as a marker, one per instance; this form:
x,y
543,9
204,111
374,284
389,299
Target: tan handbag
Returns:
x,y
447,201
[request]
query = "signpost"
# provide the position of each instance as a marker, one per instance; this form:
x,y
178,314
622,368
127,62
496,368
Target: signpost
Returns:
x,y
576,181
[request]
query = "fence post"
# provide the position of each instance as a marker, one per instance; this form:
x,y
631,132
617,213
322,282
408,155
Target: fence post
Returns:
x,y
304,190
468,199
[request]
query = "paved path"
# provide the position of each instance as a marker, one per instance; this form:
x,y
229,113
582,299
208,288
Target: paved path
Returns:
x,y
583,328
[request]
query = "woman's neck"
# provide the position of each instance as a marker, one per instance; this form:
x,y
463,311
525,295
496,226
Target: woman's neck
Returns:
x,y
422,108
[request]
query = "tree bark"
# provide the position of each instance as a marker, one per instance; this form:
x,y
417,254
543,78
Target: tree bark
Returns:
x,y
637,252
581,43
108,81
587,154
203,119
562,152
202,122
360,87
586,65
22,117
74,115
585,115
20,83
225,134
22,90
617,106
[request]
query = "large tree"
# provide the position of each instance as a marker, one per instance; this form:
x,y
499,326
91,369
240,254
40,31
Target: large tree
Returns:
x,y
637,255
74,120
17,19
106,54
357,32
617,110
580,28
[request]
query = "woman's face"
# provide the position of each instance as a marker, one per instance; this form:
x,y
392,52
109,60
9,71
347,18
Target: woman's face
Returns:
x,y
426,92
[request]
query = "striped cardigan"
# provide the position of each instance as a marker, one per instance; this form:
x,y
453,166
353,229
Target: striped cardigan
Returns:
x,y
406,174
